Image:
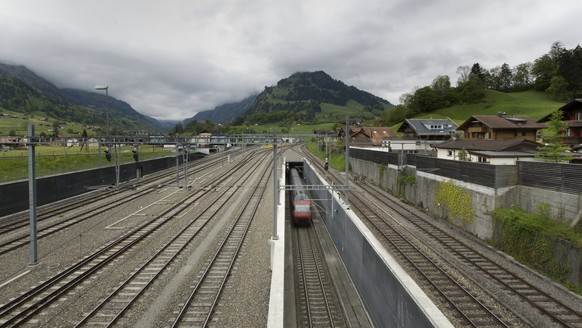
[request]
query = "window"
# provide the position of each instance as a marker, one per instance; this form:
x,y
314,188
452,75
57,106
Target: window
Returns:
x,y
449,153
482,159
578,116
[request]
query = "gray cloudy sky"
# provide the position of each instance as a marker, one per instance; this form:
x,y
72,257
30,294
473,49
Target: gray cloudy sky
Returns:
x,y
171,59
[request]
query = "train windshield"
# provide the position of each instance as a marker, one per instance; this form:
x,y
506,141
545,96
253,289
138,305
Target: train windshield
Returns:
x,y
301,208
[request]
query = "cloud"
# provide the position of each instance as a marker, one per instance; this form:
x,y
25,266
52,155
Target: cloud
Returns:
x,y
172,59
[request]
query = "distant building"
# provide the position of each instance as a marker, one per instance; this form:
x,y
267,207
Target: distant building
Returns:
x,y
428,129
572,114
501,127
500,152
369,136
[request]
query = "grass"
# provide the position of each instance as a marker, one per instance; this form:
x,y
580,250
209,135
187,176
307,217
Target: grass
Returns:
x,y
531,238
336,160
534,104
57,160
42,123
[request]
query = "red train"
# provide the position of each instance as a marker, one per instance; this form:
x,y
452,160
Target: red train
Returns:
x,y
300,202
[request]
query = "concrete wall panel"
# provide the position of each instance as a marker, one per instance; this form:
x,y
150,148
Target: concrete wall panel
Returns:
x,y
14,196
391,297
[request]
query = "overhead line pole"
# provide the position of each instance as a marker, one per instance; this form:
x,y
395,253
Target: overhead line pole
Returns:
x,y
275,186
32,195
347,162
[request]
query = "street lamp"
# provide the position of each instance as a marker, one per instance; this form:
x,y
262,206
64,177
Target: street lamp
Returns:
x,y
117,148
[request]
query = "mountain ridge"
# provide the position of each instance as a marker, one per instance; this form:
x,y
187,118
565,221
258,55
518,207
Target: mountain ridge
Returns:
x,y
26,92
301,97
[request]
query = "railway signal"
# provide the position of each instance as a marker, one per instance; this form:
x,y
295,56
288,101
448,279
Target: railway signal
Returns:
x,y
107,154
135,154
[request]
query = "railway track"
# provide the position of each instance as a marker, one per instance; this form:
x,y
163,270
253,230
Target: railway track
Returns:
x,y
198,309
385,212
315,294
560,313
60,287
98,204
468,311
113,307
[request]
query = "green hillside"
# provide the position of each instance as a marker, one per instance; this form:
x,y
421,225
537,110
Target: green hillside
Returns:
x,y
534,104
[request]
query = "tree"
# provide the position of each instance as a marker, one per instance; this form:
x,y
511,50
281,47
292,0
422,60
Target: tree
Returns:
x,y
570,67
543,70
394,115
472,91
554,150
425,100
464,156
559,89
556,50
479,72
56,125
441,86
522,77
556,125
505,77
464,73
494,82
178,129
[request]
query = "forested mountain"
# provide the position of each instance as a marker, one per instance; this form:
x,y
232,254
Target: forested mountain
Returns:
x,y
303,97
21,90
311,97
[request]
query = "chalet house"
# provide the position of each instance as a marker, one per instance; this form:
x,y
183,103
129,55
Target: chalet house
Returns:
x,y
369,136
500,152
572,114
427,129
501,127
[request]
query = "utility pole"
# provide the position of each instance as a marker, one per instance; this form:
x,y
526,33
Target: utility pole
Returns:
x,y
275,186
32,194
347,161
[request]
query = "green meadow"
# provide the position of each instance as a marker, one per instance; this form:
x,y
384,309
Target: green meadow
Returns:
x,y
57,160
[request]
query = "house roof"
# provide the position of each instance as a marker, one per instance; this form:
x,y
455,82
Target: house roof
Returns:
x,y
490,145
377,133
374,134
428,127
504,122
572,105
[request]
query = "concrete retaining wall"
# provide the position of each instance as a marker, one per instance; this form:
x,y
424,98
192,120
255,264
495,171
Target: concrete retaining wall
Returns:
x,y
563,206
58,187
422,193
392,298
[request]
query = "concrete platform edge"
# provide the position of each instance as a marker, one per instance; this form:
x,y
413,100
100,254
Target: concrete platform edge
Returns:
x,y
277,297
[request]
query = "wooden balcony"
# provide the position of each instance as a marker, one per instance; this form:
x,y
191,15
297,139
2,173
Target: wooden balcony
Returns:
x,y
575,124
477,129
